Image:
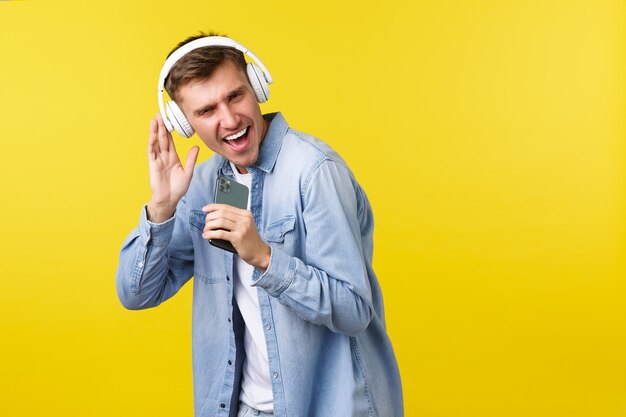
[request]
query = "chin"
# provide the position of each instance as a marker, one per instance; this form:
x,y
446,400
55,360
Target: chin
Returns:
x,y
243,162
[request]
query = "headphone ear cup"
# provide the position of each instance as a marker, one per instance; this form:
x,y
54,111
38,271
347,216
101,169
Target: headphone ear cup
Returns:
x,y
179,121
257,81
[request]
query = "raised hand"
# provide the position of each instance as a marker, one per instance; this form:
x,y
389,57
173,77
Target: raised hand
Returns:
x,y
169,180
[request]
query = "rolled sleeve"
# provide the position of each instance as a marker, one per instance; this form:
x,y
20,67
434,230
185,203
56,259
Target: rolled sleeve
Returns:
x,y
279,274
145,275
160,233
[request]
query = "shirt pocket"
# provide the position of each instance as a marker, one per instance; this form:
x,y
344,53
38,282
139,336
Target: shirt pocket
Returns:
x,y
197,221
282,234
208,263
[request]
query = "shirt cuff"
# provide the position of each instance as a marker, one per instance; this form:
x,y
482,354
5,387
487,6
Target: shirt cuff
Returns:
x,y
279,275
159,233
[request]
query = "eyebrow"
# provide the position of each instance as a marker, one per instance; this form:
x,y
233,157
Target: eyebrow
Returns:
x,y
202,110
211,107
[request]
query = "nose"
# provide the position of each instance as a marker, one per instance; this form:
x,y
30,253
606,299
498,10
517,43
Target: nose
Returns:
x,y
229,118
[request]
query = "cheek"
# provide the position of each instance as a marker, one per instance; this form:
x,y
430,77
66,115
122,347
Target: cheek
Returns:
x,y
209,137
206,131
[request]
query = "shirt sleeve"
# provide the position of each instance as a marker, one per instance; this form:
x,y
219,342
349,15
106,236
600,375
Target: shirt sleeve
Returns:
x,y
156,260
333,287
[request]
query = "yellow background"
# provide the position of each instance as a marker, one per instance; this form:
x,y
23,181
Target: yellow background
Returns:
x,y
489,136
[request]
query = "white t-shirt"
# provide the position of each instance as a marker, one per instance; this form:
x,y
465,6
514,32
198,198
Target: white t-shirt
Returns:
x,y
256,385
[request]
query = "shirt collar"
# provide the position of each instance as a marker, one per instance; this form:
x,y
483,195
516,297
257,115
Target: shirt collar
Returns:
x,y
270,147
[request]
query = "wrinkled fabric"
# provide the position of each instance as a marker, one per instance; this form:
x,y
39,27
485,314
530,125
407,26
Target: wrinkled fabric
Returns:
x,y
321,303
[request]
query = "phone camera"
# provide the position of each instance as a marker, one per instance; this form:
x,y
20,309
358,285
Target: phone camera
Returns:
x,y
223,185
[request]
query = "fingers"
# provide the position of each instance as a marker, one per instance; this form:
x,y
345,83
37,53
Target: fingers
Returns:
x,y
161,145
153,146
237,226
230,213
227,218
220,227
190,162
163,135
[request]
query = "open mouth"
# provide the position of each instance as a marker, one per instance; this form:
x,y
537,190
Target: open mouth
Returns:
x,y
237,138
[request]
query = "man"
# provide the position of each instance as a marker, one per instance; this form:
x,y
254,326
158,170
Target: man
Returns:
x,y
292,324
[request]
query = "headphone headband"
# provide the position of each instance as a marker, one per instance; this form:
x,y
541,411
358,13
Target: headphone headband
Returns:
x,y
200,43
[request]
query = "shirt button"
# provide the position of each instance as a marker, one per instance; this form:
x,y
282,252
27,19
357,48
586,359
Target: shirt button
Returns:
x,y
256,185
230,362
227,278
223,405
275,375
229,320
140,264
268,326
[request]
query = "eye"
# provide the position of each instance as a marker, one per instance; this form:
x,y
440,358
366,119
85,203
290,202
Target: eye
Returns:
x,y
235,95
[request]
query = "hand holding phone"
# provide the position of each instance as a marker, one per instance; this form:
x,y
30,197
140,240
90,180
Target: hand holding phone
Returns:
x,y
234,194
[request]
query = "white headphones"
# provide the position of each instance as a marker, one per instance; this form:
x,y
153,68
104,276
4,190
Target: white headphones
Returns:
x,y
173,116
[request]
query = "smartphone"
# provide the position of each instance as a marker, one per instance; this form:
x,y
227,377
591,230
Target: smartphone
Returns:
x,y
234,194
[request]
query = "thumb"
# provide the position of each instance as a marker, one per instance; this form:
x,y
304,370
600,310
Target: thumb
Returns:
x,y
190,162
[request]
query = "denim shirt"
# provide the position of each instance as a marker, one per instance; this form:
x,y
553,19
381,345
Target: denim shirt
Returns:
x,y
321,304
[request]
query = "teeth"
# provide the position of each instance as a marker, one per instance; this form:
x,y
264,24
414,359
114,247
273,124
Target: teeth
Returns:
x,y
236,135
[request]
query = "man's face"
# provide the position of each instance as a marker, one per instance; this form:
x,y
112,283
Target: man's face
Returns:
x,y
224,112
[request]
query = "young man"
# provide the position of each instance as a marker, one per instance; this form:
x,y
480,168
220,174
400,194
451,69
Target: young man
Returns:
x,y
291,325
